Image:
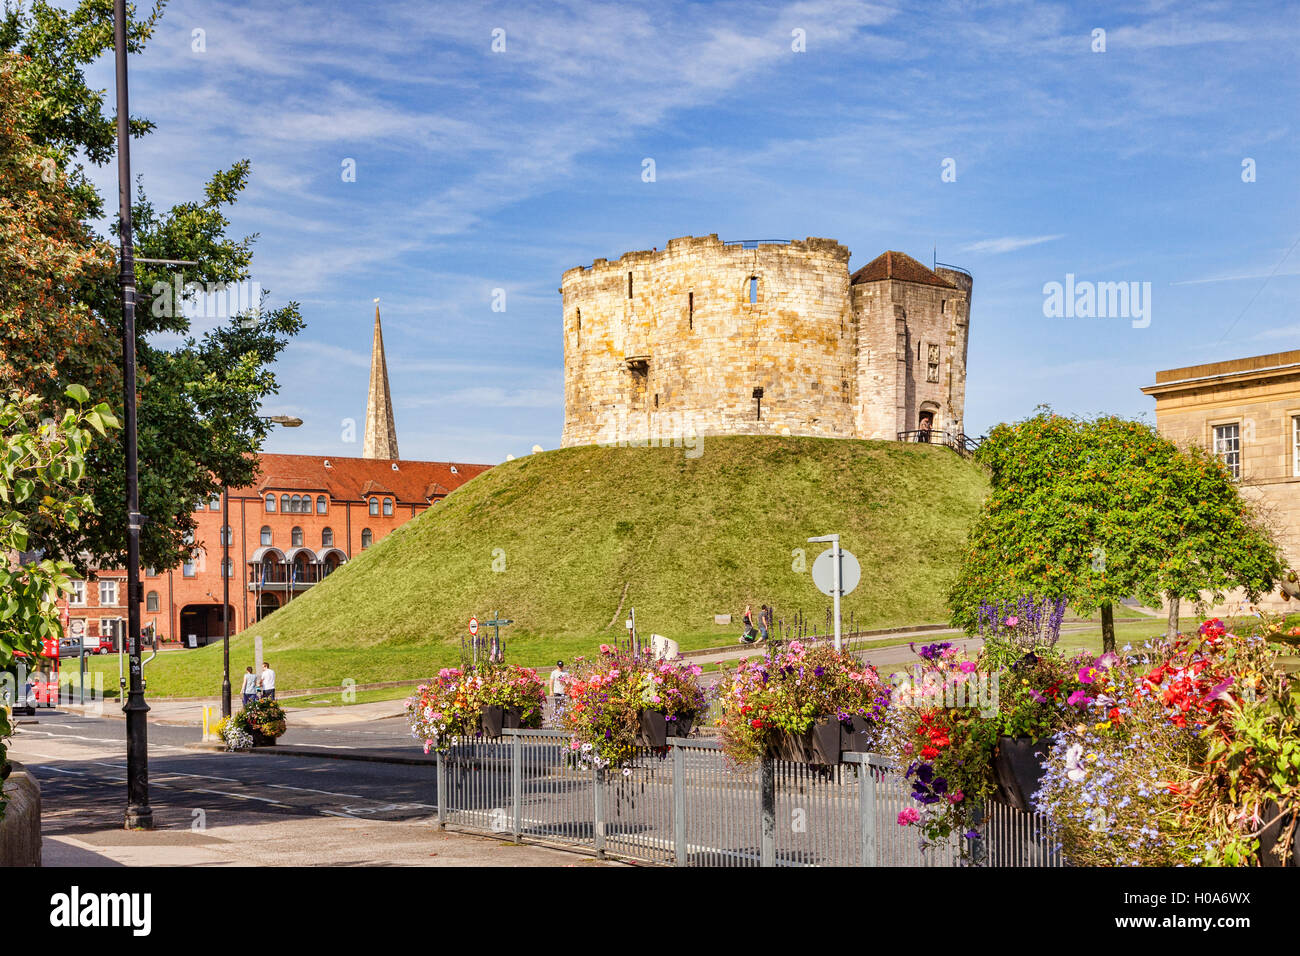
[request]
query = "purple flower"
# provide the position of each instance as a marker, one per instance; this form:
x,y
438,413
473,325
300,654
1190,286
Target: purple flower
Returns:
x,y
1079,699
1037,696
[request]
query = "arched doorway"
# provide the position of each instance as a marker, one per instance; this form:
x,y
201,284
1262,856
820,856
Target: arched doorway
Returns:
x,y
267,604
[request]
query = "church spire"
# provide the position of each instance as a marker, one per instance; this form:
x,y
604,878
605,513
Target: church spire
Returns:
x,y
381,433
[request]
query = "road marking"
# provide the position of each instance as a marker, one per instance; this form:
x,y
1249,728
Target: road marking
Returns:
x,y
78,773
328,793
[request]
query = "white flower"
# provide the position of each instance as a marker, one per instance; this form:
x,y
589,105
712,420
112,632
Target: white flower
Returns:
x,y
1074,768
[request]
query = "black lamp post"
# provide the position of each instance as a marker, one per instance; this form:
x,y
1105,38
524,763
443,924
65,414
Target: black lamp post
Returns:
x,y
227,572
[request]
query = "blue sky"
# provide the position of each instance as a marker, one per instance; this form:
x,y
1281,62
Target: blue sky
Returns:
x,y
478,170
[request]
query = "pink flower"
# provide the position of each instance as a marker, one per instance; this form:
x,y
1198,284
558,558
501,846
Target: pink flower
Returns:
x,y
967,667
1078,699
910,815
1012,621
606,649
956,797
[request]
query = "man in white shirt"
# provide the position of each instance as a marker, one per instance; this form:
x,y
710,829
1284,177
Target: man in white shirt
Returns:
x,y
558,677
268,681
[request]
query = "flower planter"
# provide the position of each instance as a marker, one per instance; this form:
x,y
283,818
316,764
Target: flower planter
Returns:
x,y
492,718
655,728
820,744
513,718
1018,767
1268,840
853,736
262,740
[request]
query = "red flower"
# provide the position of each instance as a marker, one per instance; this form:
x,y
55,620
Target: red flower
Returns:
x,y
756,724
928,753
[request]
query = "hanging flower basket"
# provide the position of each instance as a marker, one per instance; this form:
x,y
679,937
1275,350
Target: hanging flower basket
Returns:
x,y
491,719
1268,840
654,728
1018,768
854,736
819,744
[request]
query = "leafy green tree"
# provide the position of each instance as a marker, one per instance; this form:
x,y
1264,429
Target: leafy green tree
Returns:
x,y
42,473
198,401
1099,510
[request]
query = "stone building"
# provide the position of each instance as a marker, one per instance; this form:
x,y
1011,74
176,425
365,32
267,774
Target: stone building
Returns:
x,y
708,337
303,517
1248,412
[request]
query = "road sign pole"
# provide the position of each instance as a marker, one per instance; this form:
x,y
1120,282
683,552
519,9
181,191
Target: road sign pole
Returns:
x,y
838,588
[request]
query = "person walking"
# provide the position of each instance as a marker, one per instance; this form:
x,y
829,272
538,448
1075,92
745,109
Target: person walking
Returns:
x,y
268,681
558,677
750,633
249,690
764,621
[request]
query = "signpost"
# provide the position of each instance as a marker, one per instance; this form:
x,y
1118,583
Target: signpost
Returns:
x,y
473,627
835,572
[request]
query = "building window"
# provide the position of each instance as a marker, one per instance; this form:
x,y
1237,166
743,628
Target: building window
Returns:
x,y
327,538
932,364
187,569
366,538
151,602
1227,445
215,504
284,505
151,572
270,504
266,536
295,538
388,507
1295,446
579,328
227,568
78,598
321,504
107,593
226,537
629,285
690,310
108,626
374,506
753,290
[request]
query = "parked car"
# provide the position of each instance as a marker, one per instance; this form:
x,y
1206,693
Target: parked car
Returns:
x,y
70,648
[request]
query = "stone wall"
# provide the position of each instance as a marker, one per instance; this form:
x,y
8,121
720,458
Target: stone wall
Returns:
x,y
709,338
20,828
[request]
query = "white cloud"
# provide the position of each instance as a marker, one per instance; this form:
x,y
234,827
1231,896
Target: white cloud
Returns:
x,y
1009,243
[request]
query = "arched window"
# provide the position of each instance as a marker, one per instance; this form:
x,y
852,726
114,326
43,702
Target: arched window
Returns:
x,y
388,506
321,504
295,537
284,504
270,504
225,535
227,568
151,602
374,506
295,504
366,538
327,538
753,290
215,504
266,536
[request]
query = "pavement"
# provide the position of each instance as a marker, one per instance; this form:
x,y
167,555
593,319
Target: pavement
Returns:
x,y
219,809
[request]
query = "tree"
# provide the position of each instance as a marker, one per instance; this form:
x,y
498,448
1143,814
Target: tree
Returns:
x,y
198,401
42,464
1095,511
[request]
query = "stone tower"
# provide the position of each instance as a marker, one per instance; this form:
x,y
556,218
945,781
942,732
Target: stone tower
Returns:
x,y
775,337
381,433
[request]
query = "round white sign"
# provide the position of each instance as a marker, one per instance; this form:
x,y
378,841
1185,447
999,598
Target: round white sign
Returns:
x,y
473,626
823,572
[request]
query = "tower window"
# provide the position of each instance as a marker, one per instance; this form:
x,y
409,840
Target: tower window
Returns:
x,y
932,364
284,504
327,538
753,290
629,285
374,506
579,328
270,503
690,310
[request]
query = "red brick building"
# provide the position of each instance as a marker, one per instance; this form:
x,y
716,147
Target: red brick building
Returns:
x,y
305,516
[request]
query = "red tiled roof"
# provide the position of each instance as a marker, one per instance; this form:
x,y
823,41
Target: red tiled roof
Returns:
x,y
349,479
898,265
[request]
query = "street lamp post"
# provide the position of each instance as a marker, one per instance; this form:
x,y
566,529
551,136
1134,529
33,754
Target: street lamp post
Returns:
x,y
227,572
138,812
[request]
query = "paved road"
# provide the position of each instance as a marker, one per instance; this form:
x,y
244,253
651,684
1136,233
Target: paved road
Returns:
x,y
249,809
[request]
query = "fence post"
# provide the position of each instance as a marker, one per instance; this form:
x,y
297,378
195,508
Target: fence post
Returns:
x,y
767,853
866,814
679,805
598,805
517,783
442,791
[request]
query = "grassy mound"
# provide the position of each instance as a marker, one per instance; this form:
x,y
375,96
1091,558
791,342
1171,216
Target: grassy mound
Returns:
x,y
565,542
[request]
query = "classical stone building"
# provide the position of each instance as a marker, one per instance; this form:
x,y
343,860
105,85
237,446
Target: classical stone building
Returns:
x,y
1248,412
769,337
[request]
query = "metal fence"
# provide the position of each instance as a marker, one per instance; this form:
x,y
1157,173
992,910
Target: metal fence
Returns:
x,y
686,806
